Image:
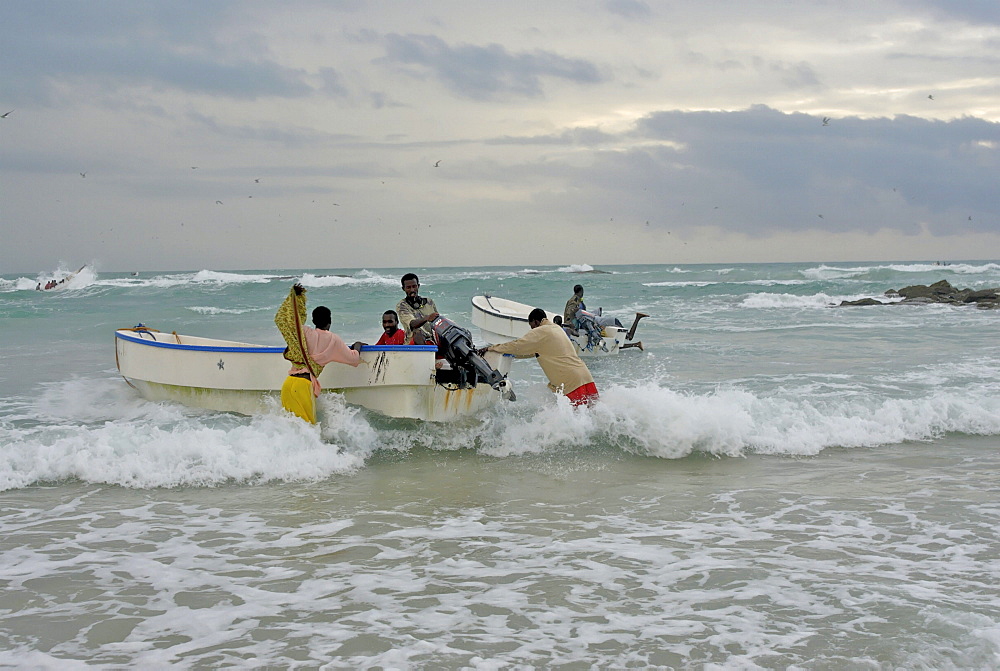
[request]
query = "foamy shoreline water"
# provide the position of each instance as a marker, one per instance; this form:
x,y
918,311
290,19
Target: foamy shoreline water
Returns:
x,y
452,559
773,483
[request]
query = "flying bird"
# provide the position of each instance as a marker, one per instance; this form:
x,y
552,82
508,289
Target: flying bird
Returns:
x,y
437,163
930,97
194,167
83,174
826,121
257,181
218,202
6,114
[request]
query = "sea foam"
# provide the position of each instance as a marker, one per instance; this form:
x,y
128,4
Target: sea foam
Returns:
x,y
104,433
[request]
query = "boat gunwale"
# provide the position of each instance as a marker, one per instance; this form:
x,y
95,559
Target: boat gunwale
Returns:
x,y
493,312
261,349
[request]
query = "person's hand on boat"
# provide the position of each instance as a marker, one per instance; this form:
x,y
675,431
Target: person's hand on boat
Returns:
x,y
358,345
299,289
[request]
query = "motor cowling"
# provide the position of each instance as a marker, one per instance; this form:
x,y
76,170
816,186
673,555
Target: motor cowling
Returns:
x,y
455,345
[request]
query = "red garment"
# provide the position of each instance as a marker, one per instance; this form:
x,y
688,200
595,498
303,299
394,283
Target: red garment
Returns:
x,y
397,338
583,395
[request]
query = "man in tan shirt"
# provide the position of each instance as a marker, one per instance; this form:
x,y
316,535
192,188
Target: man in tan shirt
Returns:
x,y
556,355
416,313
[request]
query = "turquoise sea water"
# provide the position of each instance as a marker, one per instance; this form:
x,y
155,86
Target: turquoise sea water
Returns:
x,y
773,483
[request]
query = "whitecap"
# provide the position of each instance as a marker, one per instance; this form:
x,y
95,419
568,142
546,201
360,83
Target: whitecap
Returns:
x,y
210,310
679,284
102,432
365,278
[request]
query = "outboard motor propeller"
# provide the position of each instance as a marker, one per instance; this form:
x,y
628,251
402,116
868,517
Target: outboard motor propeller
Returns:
x,y
455,344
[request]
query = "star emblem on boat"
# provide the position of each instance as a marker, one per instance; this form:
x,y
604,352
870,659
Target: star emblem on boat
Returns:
x,y
221,364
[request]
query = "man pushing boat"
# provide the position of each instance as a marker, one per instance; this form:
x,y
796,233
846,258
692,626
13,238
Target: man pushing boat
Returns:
x,y
556,355
310,350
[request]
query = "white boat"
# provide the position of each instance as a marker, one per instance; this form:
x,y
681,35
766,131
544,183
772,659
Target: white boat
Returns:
x,y
56,285
502,320
397,381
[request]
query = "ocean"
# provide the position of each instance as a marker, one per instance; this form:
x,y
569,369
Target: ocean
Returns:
x,y
773,483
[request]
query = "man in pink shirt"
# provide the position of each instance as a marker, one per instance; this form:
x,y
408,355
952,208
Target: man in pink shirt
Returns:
x,y
309,349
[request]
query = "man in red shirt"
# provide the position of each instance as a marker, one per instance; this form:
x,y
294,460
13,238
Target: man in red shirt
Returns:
x,y
393,334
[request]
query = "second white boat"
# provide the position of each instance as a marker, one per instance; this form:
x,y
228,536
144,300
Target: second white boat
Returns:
x,y
503,320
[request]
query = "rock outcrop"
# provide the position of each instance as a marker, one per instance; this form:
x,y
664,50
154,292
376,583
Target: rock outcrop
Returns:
x,y
939,292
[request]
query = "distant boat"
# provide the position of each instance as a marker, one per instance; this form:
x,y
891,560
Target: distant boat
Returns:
x,y
396,381
502,320
53,284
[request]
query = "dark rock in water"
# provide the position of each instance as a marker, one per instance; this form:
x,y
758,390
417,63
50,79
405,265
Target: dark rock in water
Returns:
x,y
942,288
982,295
863,301
594,271
939,292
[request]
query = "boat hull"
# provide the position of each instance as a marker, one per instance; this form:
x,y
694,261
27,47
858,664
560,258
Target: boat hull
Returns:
x,y
239,377
502,320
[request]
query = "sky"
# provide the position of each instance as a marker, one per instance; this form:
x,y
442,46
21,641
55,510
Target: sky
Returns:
x,y
194,134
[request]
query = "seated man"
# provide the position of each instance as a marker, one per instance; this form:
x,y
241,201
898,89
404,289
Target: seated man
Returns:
x,y
393,335
416,313
570,331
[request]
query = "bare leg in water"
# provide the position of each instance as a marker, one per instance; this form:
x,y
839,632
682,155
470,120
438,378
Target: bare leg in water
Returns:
x,y
631,331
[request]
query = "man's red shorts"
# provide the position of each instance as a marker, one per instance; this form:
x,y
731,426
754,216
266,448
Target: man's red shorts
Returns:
x,y
583,395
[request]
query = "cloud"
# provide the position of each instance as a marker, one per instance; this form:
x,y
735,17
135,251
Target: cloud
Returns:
x,y
976,11
630,9
761,171
549,120
486,73
109,45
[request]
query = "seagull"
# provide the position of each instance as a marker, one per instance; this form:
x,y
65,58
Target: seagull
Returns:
x,y
257,181
437,163
83,174
6,114
970,217
194,167
218,202
930,97
820,216
826,121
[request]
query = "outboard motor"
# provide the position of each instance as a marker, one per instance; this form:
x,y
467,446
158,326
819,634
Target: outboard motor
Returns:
x,y
455,344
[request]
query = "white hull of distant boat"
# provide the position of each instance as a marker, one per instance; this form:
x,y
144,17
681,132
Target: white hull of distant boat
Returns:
x,y
502,320
396,381
62,283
